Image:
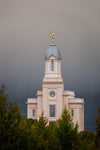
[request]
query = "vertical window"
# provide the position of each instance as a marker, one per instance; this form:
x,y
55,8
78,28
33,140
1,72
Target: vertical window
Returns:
x,y
33,112
52,111
72,112
72,125
52,65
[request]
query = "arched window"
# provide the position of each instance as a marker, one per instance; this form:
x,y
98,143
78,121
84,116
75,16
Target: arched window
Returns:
x,y
52,65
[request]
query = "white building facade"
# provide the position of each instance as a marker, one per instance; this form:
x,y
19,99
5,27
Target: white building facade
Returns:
x,y
53,98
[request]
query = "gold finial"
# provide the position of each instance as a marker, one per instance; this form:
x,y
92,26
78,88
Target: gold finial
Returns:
x,y
52,34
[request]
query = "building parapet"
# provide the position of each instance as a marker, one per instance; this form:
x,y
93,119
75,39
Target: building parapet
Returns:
x,y
39,93
53,80
31,101
76,101
69,94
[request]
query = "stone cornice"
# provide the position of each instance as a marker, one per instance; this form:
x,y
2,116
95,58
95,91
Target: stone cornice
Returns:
x,y
76,101
30,103
52,82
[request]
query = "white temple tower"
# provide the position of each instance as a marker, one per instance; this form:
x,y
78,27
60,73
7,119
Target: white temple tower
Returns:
x,y
53,98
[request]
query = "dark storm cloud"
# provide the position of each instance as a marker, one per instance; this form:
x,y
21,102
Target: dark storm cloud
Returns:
x,y
24,39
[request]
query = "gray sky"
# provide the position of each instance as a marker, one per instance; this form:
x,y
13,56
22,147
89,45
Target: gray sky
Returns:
x,y
25,28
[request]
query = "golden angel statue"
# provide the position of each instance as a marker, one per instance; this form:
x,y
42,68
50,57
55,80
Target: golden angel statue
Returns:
x,y
52,34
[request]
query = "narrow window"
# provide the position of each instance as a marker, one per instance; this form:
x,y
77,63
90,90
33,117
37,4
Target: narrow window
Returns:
x,y
72,125
52,65
72,112
33,112
52,111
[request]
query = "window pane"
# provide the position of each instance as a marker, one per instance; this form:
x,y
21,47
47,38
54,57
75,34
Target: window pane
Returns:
x,y
33,112
72,124
52,94
72,113
52,65
52,111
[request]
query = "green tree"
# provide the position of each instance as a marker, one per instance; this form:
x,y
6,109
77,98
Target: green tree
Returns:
x,y
40,132
45,134
3,101
16,131
9,120
87,140
98,130
68,136
52,139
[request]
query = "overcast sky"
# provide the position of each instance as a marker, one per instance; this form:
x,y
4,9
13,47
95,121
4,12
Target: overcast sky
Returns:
x,y
25,27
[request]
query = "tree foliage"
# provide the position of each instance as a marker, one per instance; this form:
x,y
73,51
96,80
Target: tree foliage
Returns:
x,y
67,135
9,120
98,130
19,133
87,140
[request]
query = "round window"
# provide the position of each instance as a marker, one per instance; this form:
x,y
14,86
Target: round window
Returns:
x,y
52,94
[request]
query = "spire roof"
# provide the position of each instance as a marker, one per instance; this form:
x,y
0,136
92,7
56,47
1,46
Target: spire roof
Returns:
x,y
52,50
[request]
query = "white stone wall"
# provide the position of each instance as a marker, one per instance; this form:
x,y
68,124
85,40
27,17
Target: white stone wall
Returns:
x,y
56,100
61,100
31,105
39,104
78,106
57,68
